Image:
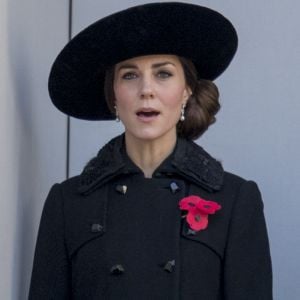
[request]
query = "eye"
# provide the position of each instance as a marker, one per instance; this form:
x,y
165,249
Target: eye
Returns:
x,y
129,76
164,74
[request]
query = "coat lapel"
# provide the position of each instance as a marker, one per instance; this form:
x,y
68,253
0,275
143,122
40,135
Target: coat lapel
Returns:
x,y
188,160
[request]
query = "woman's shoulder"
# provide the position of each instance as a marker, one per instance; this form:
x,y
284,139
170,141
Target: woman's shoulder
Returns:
x,y
64,191
236,180
240,195
238,183
70,184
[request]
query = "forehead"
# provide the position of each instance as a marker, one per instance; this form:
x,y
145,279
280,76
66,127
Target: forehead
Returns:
x,y
151,59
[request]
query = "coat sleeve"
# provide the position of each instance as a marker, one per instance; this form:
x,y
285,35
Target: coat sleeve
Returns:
x,y
247,265
51,272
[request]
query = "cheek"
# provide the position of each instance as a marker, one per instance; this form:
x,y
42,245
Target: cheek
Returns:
x,y
173,98
122,95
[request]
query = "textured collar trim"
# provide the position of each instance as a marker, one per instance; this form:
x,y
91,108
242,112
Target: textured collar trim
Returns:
x,y
188,160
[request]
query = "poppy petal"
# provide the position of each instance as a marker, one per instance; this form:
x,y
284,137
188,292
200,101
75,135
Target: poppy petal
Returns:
x,y
197,221
208,207
188,202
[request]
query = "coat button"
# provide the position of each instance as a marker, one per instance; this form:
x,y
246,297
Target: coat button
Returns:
x,y
97,228
122,189
117,270
169,266
174,187
191,232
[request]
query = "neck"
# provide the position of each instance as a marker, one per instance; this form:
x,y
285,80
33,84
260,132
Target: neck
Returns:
x,y
149,154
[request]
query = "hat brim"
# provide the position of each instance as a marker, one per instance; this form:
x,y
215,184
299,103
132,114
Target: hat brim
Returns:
x,y
76,81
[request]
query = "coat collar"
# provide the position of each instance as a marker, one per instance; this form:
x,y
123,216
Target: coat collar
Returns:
x,y
188,160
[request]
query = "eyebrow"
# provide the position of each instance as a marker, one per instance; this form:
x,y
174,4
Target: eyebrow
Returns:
x,y
154,66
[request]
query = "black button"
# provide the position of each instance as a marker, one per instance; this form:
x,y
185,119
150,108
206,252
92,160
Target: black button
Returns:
x,y
121,189
169,266
97,228
191,232
174,187
117,270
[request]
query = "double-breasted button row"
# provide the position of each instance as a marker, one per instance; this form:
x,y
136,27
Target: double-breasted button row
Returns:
x,y
122,189
118,269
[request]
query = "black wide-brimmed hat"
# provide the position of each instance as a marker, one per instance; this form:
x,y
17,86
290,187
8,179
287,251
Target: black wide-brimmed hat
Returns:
x,y
76,82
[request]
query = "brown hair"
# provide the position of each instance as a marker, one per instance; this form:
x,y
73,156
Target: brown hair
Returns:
x,y
201,107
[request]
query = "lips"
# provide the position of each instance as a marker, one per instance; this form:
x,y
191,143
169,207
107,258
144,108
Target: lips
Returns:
x,y
147,114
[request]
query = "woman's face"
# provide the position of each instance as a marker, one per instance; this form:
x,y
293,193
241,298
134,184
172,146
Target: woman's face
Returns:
x,y
149,94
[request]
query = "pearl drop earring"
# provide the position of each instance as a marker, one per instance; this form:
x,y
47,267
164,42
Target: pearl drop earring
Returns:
x,y
182,117
117,114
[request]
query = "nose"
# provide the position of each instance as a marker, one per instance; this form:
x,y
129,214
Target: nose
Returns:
x,y
147,89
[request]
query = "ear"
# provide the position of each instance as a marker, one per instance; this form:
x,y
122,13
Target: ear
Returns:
x,y
187,93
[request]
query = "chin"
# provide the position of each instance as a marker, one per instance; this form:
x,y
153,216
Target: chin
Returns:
x,y
146,136
151,135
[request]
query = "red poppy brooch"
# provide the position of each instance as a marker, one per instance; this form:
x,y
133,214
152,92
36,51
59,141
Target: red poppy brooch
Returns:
x,y
198,210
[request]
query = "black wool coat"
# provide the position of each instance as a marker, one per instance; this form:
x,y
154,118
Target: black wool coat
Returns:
x,y
111,233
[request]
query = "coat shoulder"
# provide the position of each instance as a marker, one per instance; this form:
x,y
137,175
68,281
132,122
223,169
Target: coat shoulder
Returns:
x,y
245,190
70,185
233,182
233,179
68,188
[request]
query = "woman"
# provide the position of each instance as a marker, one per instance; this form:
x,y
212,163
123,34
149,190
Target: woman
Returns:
x,y
153,216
